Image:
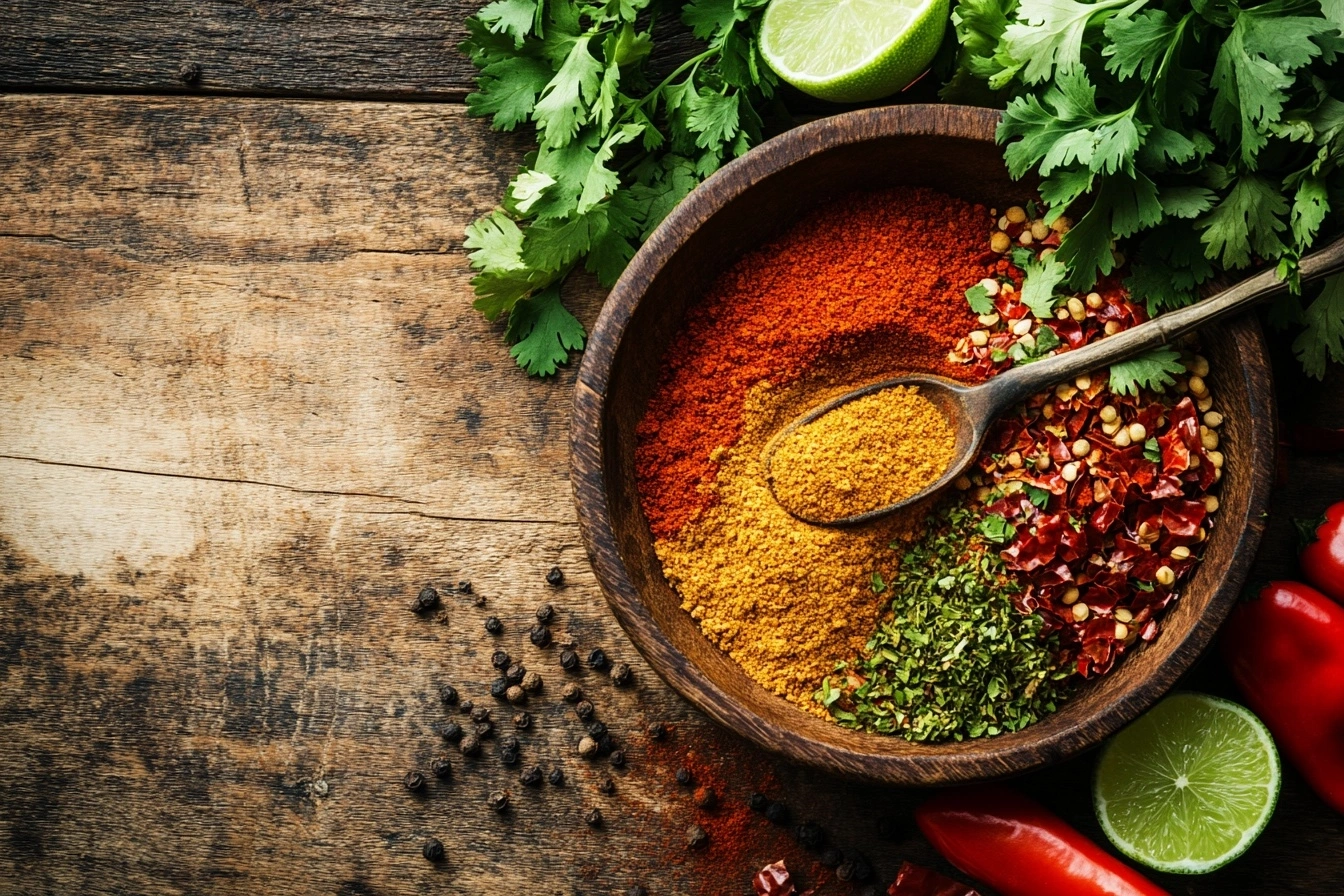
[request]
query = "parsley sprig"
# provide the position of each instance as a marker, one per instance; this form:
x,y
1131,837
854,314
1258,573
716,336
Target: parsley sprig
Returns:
x,y
616,151
1208,134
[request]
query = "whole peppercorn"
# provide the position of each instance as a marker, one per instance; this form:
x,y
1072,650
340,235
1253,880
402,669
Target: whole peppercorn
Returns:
x,y
531,682
656,731
466,706
498,800
606,785
515,694
545,614
620,674
810,835
522,720
571,693
555,577
618,758
509,743
493,625
414,781
441,768
705,797
696,836
777,813
606,744
470,745
636,891
484,729
451,732
508,757
463,587
569,660
556,777
758,802
426,600
480,714
500,659
684,777
845,871
447,695
587,747
532,777
514,674
432,850
594,818
831,857
597,659
498,688
540,635
584,710
596,729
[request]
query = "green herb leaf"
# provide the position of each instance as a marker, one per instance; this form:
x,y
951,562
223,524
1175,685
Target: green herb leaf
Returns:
x,y
980,300
996,528
1155,370
1038,289
878,584
1152,451
1323,337
543,333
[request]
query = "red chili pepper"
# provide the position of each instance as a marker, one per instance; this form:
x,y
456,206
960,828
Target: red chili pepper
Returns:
x,y
1286,652
1020,848
1323,559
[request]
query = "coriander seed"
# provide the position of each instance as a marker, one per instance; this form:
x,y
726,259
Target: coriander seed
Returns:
x,y
515,695
531,682
571,693
587,747
696,837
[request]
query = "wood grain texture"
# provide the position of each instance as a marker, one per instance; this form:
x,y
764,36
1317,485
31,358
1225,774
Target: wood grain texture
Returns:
x,y
220,397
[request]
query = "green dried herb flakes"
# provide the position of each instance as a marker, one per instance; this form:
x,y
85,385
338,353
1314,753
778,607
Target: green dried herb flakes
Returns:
x,y
954,659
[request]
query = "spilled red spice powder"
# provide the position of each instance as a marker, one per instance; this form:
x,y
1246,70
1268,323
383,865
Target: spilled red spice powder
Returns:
x,y
885,269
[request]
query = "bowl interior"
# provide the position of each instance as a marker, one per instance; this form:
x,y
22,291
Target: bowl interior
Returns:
x,y
951,150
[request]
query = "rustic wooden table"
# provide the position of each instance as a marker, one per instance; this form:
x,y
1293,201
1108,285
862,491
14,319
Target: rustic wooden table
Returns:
x,y
247,413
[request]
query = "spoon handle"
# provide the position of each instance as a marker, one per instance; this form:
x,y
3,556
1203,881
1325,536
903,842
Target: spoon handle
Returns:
x,y
1013,386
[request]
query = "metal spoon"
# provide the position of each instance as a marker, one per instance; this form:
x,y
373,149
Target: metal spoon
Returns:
x,y
971,409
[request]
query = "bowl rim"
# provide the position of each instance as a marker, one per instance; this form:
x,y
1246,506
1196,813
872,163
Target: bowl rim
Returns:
x,y
589,483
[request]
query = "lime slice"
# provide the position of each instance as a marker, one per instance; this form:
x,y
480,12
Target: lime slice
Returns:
x,y
849,51
1189,786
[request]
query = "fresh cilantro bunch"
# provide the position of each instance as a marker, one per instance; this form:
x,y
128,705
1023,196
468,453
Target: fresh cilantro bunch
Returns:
x,y
615,153
1208,135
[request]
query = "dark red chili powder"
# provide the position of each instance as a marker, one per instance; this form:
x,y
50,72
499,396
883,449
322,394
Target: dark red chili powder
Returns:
x,y
884,272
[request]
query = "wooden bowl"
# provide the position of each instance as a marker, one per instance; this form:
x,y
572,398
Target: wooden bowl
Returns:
x,y
950,149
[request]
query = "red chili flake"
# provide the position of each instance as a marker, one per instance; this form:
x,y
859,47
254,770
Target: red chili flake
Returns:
x,y
916,880
774,880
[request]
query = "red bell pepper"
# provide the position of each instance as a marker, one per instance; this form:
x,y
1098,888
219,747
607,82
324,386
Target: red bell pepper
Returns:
x,y
1323,559
1286,652
1020,848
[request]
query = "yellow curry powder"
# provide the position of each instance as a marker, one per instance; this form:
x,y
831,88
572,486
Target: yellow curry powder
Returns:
x,y
864,455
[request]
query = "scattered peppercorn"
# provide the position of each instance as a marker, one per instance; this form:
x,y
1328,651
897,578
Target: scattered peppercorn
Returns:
x,y
509,743
587,747
540,636
594,818
831,857
451,732
705,797
498,800
618,758
777,813
515,695
441,767
485,729
522,720
414,781
464,587
606,744
426,600
532,777
493,625
514,674
466,706
596,729
758,802
545,614
500,659
555,577
447,694
620,674
606,785
684,777
508,757
597,658
556,777
569,660
845,871
470,745
696,836
656,731
532,682
480,714
584,710
432,850
498,688
636,891
572,693
810,835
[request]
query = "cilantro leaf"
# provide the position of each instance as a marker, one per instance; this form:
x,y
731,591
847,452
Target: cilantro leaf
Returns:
x,y
543,333
1152,451
996,528
560,110
1323,338
1038,289
511,17
1049,33
508,90
980,300
1036,495
1154,370
1249,218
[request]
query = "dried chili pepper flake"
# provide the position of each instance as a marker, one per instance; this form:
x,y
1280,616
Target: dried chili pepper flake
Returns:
x,y
916,880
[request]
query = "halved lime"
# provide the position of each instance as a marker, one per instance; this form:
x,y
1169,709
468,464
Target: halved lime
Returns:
x,y
1189,786
849,51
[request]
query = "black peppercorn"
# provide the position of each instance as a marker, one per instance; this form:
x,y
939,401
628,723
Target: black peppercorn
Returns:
x,y
432,850
618,758
480,714
696,836
606,744
498,800
414,781
500,659
532,777
426,600
451,732
597,659
569,660
555,577
493,625
584,710
596,729
810,835
656,731
515,695
498,688
594,818
514,674
545,614
606,785
540,636
441,767
571,693
831,857
863,869
509,743
447,694
587,747
556,777
620,674
684,777
845,871
466,706
777,813
758,802
522,720
484,729
636,891
705,797
470,745
508,757
464,587
189,72
531,682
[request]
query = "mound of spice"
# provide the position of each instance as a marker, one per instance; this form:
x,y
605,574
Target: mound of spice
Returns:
x,y
869,453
